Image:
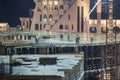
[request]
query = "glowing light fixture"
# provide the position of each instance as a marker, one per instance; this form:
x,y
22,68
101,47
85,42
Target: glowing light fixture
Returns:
x,y
44,2
56,2
50,2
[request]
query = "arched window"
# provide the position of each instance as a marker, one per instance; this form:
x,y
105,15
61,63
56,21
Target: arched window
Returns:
x,y
66,27
93,29
36,27
56,7
116,29
50,17
61,27
61,7
45,17
103,29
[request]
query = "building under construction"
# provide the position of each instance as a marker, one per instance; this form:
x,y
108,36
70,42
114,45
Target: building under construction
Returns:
x,y
70,27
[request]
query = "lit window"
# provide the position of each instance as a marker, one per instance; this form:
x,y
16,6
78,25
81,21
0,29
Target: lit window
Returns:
x,y
56,2
50,2
44,2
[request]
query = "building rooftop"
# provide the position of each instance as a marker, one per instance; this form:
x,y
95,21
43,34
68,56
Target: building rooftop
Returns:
x,y
3,24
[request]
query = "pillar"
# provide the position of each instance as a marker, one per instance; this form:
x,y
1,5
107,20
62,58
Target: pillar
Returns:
x,y
99,18
84,11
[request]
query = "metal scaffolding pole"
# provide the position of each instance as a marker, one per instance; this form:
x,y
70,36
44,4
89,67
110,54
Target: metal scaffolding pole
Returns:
x,y
111,60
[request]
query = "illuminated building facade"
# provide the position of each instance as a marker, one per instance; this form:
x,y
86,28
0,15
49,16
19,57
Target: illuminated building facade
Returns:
x,y
68,15
4,26
64,16
60,16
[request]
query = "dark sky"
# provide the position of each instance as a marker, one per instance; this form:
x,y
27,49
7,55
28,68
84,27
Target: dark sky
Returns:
x,y
11,10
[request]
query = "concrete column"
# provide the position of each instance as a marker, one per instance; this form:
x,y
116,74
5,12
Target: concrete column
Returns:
x,y
35,51
99,18
28,51
23,38
47,50
18,36
76,49
15,51
102,62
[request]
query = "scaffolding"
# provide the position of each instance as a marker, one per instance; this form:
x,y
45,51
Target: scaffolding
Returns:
x,y
111,55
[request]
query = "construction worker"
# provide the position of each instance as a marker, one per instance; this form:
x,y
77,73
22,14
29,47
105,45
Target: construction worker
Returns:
x,y
91,38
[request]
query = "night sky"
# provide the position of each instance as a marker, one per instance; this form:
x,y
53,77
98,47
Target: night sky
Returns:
x,y
11,10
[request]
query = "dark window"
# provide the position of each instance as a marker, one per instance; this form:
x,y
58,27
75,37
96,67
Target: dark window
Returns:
x,y
56,7
69,17
82,19
40,17
78,19
23,23
93,29
116,29
61,27
44,25
27,24
20,37
72,27
61,7
29,37
61,36
40,26
45,16
36,27
50,16
66,27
